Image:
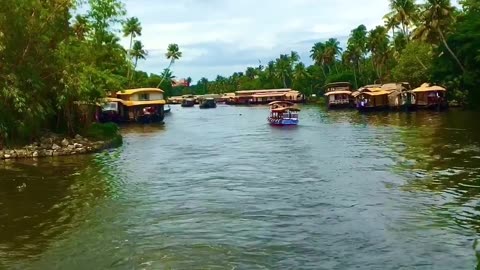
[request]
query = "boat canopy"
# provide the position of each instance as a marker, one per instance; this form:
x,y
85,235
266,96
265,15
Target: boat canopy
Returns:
x,y
377,93
284,109
130,103
427,88
139,90
281,102
341,92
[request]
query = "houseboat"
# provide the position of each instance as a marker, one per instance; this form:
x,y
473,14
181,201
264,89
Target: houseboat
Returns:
x,y
283,113
370,99
429,97
264,96
339,95
400,96
207,103
143,105
188,102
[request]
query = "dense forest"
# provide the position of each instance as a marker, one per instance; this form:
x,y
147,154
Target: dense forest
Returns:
x,y
57,54
429,42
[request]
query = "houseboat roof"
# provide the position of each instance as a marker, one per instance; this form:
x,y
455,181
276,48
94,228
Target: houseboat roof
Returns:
x,y
427,88
262,91
268,95
340,92
110,99
377,93
139,90
281,102
131,103
283,109
337,84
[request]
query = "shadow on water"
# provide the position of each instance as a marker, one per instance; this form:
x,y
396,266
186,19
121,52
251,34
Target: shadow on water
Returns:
x,y
43,200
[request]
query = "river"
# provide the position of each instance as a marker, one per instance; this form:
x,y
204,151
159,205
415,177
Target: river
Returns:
x,y
221,189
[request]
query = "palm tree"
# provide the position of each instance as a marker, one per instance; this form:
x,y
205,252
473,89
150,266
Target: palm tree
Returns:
x,y
270,72
377,44
317,53
403,13
250,73
436,16
300,75
167,74
283,68
358,43
294,57
391,23
399,42
138,52
332,49
131,28
173,53
351,56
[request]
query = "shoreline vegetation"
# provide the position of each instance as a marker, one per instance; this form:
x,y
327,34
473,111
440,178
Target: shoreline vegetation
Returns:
x,y
56,56
59,55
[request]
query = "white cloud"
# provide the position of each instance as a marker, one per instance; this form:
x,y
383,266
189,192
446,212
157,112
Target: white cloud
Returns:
x,y
223,36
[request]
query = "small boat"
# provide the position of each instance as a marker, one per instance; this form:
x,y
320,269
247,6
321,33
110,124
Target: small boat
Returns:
x,y
208,103
167,109
283,113
430,97
188,102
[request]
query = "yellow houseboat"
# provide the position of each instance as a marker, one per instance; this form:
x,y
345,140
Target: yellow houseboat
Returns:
x,y
339,95
143,105
430,97
374,98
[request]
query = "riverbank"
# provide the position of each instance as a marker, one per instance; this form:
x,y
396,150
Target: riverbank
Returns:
x,y
97,138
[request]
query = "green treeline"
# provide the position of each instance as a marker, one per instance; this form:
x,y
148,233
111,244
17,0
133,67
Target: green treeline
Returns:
x,y
58,54
428,42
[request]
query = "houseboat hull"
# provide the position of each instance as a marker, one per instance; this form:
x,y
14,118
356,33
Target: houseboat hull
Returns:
x,y
282,122
208,106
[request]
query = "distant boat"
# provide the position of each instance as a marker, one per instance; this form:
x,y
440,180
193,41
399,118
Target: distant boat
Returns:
x,y
283,113
188,102
208,103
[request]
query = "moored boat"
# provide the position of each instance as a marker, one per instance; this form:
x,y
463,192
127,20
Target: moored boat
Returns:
x,y
143,105
371,99
339,95
188,102
283,113
207,103
430,97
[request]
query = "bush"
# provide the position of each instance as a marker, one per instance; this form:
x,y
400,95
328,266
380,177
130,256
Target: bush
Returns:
x,y
104,132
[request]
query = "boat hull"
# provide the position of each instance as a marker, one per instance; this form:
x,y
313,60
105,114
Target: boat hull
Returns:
x,y
208,106
282,122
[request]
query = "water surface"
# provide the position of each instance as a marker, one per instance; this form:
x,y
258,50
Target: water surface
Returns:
x,y
221,189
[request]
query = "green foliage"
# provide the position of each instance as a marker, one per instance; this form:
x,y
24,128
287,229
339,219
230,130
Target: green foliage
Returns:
x,y
105,132
414,64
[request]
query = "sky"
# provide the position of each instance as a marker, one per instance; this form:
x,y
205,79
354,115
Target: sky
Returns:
x,y
219,37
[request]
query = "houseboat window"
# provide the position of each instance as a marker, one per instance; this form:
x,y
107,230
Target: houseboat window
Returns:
x,y
111,106
144,97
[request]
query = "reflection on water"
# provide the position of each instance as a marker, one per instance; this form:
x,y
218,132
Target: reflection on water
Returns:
x,y
221,189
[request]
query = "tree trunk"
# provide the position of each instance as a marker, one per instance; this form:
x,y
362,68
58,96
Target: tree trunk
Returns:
x,y
129,56
163,77
284,81
324,73
421,63
355,76
450,50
